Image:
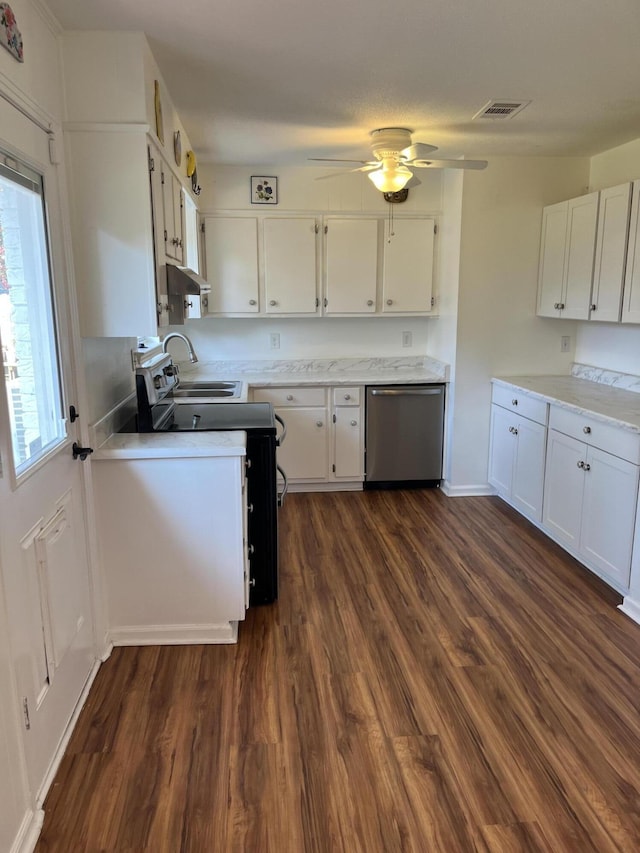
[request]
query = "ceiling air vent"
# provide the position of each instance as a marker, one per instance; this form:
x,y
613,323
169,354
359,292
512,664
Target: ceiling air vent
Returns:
x,y
501,109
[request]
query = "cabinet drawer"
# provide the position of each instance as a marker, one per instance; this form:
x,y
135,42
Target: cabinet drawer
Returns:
x,y
346,396
311,396
512,398
612,439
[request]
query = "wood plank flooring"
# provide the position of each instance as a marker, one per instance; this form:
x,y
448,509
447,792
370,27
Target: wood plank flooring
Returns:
x,y
437,677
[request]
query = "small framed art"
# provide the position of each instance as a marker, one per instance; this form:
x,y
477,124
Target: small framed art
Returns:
x,y
264,190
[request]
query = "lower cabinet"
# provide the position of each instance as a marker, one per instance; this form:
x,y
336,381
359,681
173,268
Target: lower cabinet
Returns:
x,y
590,504
324,444
518,444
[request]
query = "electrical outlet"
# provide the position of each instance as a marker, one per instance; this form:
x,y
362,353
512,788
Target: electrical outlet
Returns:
x,y
274,340
407,339
565,343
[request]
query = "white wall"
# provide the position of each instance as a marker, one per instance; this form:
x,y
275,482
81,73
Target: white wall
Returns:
x,y
498,331
615,347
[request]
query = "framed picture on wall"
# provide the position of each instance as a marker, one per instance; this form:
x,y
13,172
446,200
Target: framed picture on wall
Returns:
x,y
264,189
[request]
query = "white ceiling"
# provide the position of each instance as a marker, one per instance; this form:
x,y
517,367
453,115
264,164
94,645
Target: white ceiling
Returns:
x,y
257,82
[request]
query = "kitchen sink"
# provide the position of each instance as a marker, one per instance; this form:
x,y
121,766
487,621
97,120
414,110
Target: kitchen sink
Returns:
x,y
203,390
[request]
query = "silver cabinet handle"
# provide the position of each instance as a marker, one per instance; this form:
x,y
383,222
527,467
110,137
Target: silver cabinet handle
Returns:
x,y
389,301
318,423
513,430
586,430
586,466
252,302
369,302
272,302
281,438
289,396
247,463
580,464
354,423
347,396
413,392
514,402
250,507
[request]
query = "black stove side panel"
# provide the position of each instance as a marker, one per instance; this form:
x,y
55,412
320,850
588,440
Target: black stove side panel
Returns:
x,y
263,517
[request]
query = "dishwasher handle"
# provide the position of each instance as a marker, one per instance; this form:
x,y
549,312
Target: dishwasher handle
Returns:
x,y
405,392
280,439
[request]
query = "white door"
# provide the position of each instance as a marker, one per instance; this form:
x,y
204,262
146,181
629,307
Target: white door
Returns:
x,y
348,443
611,246
290,266
631,303
231,258
563,488
608,515
528,468
582,221
408,266
351,265
502,450
43,551
552,256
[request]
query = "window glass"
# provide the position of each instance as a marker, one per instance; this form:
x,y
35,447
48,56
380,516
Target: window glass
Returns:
x,y
27,326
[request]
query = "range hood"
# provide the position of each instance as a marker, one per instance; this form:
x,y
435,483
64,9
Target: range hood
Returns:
x,y
183,282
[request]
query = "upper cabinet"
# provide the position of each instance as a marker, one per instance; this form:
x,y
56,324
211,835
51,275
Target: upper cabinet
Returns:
x,y
590,257
566,258
279,265
172,225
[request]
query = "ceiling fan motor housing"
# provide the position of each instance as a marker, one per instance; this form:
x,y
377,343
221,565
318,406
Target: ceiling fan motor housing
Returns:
x,y
397,197
388,142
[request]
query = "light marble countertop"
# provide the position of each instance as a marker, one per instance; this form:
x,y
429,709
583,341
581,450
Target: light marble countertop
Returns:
x,y
611,405
171,445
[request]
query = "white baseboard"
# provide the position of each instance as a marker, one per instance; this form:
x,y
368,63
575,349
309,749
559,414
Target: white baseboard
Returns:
x,y
326,487
29,832
480,490
630,608
174,635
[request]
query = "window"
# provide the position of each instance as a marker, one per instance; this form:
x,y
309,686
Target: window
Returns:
x,y
27,325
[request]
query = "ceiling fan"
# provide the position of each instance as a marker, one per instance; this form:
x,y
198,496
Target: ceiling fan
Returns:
x,y
394,158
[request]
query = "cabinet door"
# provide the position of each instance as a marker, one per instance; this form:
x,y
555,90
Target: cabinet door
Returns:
x,y
563,488
172,205
348,443
304,455
408,266
290,266
608,513
157,207
231,256
631,302
502,450
582,220
611,246
351,264
552,256
528,469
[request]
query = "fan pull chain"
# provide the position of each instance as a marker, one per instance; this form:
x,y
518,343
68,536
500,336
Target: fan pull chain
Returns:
x,y
392,233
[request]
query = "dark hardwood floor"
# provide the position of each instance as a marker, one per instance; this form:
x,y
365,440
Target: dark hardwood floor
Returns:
x,y
436,677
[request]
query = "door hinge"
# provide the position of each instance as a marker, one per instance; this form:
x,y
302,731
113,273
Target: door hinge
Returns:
x,y
334,418
162,177
166,236
433,301
80,453
333,467
435,229
74,414
317,302
152,164
25,713
326,229
202,228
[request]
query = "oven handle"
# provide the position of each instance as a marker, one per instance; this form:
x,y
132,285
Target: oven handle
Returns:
x,y
280,439
285,488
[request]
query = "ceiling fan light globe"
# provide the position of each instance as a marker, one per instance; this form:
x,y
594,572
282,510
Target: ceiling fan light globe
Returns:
x,y
390,180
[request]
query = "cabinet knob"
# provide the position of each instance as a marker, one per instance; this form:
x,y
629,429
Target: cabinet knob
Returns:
x,y
586,430
587,467
354,423
347,396
252,302
514,402
580,464
289,396
272,302
318,423
389,301
594,307
369,302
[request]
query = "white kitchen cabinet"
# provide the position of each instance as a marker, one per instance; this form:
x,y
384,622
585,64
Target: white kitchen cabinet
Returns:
x,y
231,252
566,258
631,299
173,215
611,247
407,276
351,266
172,543
517,450
291,265
590,492
347,434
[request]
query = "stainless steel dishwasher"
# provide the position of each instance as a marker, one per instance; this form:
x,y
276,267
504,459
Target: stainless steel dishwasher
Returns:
x,y
404,435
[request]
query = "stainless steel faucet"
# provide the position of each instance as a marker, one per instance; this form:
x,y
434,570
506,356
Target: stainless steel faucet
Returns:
x,y
192,354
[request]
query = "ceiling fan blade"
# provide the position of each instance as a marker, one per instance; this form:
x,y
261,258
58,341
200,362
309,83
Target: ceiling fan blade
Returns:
x,y
450,164
368,167
419,150
335,160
